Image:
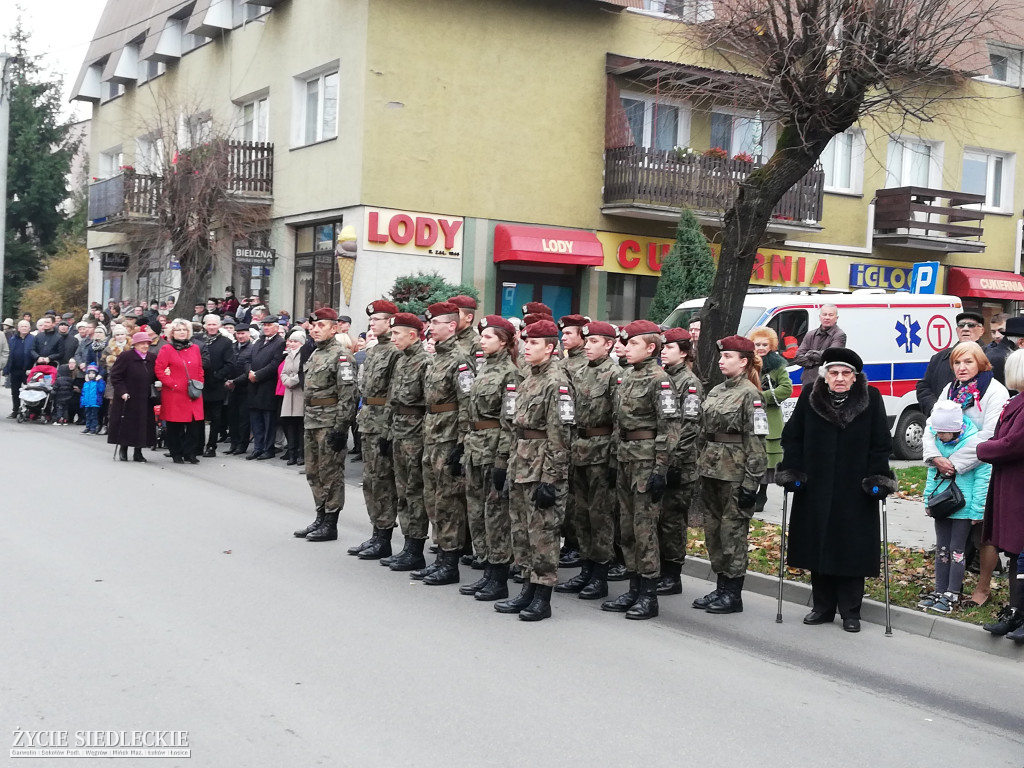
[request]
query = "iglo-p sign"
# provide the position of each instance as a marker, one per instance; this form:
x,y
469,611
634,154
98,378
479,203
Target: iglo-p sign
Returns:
x,y
925,278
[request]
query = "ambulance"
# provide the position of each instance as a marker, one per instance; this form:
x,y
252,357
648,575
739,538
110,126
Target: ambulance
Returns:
x,y
894,333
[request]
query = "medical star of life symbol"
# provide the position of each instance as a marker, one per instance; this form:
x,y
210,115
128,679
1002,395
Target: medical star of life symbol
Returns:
x,y
908,334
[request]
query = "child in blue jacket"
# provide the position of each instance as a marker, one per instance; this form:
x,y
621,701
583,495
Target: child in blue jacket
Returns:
x,y
92,399
953,433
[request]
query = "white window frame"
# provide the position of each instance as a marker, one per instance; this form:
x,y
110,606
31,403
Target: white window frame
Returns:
x,y
682,137
690,11
768,131
109,162
934,161
1014,65
242,12
992,157
858,150
149,155
260,105
198,127
299,116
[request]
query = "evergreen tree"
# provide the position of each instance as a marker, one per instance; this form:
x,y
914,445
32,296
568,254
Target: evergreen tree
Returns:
x,y
414,293
687,272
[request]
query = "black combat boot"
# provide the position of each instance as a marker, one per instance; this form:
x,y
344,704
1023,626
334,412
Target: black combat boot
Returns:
x,y
597,587
312,526
570,557
520,601
425,570
360,547
411,556
579,581
671,581
617,572
761,499
540,607
497,587
624,602
729,600
517,574
476,586
1008,620
704,602
447,573
646,606
380,546
328,530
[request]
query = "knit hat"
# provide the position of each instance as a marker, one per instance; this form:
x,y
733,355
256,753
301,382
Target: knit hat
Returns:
x,y
841,356
94,367
140,338
947,416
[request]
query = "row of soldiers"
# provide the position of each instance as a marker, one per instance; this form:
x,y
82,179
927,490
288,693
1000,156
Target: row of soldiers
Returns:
x,y
473,444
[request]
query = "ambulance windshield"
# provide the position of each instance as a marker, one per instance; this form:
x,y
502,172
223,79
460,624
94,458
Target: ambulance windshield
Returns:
x,y
680,318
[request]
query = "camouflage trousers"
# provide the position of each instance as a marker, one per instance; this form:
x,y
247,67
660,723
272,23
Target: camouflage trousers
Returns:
x,y
489,524
638,519
445,497
675,508
535,533
379,484
407,458
570,529
325,470
725,527
595,504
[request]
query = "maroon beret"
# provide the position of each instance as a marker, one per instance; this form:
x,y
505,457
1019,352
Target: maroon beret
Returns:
x,y
536,308
542,329
677,334
735,344
381,305
441,308
600,329
534,317
638,328
496,321
407,320
324,313
463,302
573,320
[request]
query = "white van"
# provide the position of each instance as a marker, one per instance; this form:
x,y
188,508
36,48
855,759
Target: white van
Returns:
x,y
894,333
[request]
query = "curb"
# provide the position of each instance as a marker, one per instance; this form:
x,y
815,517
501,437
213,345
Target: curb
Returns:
x,y
914,622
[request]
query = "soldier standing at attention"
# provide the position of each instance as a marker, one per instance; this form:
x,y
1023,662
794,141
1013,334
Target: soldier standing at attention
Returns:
x,y
466,336
676,512
488,438
574,361
330,397
374,425
539,471
447,384
404,442
648,421
731,462
593,463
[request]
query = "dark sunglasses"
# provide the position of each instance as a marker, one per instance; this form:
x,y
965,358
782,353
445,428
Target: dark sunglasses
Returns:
x,y
966,324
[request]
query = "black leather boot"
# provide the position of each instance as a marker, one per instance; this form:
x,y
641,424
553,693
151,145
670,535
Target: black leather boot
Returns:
x,y
476,586
380,546
646,606
671,582
729,600
761,499
617,572
597,587
312,526
520,601
579,581
570,557
703,602
360,547
497,587
137,456
328,530
122,452
411,556
624,602
425,570
1008,620
517,574
540,607
448,573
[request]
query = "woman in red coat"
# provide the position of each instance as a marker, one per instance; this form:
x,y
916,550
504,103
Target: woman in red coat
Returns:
x,y
176,363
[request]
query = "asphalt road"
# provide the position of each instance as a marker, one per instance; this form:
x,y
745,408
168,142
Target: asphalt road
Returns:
x,y
166,597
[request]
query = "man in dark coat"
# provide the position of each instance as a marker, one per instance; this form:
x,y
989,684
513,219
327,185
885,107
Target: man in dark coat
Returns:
x,y
266,357
238,386
131,421
970,326
218,365
1000,346
826,336
19,361
836,445
47,345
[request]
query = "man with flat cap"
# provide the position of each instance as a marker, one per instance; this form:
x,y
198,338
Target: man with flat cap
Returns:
x,y
970,326
1014,333
466,336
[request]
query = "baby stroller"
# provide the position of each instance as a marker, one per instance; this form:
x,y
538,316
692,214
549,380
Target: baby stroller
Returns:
x,y
35,394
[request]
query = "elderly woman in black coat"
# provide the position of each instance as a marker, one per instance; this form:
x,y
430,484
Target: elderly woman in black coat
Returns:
x,y
835,461
131,412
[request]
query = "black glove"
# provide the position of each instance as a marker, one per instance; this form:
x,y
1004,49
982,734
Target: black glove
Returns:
x,y
674,477
877,487
794,486
338,440
745,499
656,486
384,446
498,477
454,461
544,497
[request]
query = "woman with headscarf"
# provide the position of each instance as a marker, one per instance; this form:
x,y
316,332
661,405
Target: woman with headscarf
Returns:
x,y
131,413
290,380
181,406
776,388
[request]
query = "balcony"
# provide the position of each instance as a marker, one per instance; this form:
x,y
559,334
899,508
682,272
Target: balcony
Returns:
x,y
915,217
133,199
656,184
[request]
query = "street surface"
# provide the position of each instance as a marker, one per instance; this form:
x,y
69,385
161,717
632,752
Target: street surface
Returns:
x,y
175,598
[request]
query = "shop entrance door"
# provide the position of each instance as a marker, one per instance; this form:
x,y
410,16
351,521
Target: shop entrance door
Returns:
x,y
558,287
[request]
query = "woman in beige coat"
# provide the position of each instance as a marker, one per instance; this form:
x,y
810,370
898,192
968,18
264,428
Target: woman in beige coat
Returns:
x,y
289,386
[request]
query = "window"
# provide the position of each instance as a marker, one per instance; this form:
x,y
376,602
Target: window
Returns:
x,y
629,296
242,12
149,155
316,270
112,90
692,11
191,42
911,162
742,133
656,124
150,69
790,323
195,131
319,108
255,119
110,163
1006,65
989,174
843,162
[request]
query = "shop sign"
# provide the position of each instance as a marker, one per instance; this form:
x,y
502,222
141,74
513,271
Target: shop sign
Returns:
x,y
259,257
424,234
874,276
114,262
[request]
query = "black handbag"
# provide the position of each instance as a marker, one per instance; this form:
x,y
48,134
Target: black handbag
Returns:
x,y
943,503
195,390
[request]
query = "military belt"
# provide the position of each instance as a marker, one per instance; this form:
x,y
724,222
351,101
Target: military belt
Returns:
x,y
442,408
375,401
594,431
410,410
486,424
639,434
725,437
323,401
532,434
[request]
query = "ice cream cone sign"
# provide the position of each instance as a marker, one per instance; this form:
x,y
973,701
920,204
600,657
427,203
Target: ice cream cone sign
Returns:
x,y
346,253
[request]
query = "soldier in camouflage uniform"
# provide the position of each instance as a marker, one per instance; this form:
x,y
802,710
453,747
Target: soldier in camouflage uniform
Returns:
x,y
648,422
573,361
539,470
404,443
374,419
447,384
467,336
330,397
593,463
488,437
676,513
731,461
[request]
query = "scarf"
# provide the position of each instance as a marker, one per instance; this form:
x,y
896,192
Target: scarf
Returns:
x,y
180,345
838,398
966,394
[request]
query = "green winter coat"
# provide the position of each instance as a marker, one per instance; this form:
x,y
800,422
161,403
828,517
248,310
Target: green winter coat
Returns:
x,y
776,388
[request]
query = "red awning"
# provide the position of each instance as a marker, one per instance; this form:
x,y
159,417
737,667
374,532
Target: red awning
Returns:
x,y
984,284
547,245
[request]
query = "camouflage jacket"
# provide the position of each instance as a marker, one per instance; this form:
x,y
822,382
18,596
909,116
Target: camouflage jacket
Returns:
x,y
446,387
469,341
378,370
594,385
575,360
487,401
685,454
407,391
540,407
648,402
729,413
330,374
